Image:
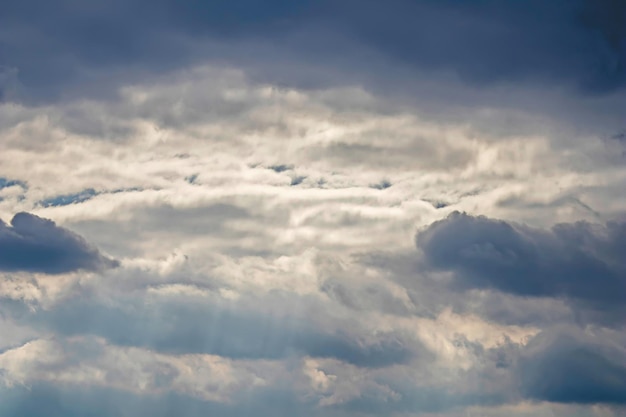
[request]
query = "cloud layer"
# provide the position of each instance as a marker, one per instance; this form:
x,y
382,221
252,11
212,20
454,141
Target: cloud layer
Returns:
x,y
409,208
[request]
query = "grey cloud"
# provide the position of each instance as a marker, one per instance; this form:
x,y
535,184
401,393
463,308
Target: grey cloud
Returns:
x,y
62,400
581,262
559,365
155,221
489,382
430,295
50,48
363,296
490,41
73,401
34,244
53,48
570,366
231,330
515,310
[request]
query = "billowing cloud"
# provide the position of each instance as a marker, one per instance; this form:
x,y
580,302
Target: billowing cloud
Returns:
x,y
570,366
34,244
579,261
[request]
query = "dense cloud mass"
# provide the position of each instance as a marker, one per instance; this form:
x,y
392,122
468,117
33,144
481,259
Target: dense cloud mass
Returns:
x,y
34,244
330,208
581,261
582,42
568,367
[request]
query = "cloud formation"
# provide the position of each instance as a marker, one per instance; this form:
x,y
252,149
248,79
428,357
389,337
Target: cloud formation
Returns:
x,y
312,208
33,244
182,325
579,261
580,42
574,367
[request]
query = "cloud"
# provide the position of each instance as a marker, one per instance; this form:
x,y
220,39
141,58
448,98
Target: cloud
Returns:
x,y
569,366
490,41
59,400
238,330
312,386
259,169
576,261
581,42
34,244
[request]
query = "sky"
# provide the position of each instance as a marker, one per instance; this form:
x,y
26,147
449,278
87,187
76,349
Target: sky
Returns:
x,y
330,208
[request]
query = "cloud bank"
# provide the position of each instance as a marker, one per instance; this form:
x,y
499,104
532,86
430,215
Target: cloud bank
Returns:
x,y
330,208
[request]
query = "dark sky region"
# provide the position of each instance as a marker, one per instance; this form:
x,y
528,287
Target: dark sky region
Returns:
x,y
313,208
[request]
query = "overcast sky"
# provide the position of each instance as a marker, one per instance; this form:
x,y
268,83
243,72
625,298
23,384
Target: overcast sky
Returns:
x,y
313,208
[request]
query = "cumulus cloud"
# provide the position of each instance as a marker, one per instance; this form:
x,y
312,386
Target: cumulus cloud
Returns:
x,y
579,261
35,244
570,366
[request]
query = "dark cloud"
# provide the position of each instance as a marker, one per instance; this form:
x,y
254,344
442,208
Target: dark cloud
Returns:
x,y
581,262
573,367
50,47
362,296
490,41
34,244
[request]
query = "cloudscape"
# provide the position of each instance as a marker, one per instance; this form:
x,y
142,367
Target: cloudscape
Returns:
x,y
313,208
